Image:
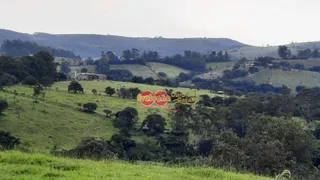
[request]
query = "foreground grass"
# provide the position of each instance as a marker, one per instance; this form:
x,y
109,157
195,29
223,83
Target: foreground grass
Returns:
x,y
16,165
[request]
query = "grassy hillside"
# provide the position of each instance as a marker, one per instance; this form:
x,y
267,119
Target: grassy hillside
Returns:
x,y
50,122
87,45
17,165
291,78
58,119
171,71
217,69
307,63
151,70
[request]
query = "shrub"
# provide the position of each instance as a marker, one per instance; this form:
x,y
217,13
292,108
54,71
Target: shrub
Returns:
x,y
30,80
126,118
3,105
162,74
7,141
75,87
7,80
90,107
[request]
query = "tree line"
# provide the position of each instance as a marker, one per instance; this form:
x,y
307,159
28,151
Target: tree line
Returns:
x,y
25,48
29,70
191,60
285,53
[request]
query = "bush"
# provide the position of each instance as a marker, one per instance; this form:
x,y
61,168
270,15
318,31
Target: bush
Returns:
x,y
162,74
7,141
7,80
3,105
30,80
110,91
75,87
119,75
90,107
126,118
155,124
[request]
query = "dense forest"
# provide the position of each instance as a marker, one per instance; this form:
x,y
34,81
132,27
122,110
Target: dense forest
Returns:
x,y
25,48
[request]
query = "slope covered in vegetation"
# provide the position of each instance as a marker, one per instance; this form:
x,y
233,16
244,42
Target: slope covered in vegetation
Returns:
x,y
17,165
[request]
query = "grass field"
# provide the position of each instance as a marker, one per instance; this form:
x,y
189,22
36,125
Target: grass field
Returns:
x,y
151,70
171,71
58,120
17,166
307,63
136,70
291,79
217,69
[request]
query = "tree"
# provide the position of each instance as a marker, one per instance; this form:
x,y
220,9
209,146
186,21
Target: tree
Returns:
x,y
94,91
113,59
7,80
155,124
7,141
305,54
284,52
90,107
137,79
315,53
46,81
102,65
3,105
30,80
89,61
162,74
126,118
110,91
149,80
75,87
37,91
126,55
65,67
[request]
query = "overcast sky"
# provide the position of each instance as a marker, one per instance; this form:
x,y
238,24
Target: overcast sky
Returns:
x,y
255,22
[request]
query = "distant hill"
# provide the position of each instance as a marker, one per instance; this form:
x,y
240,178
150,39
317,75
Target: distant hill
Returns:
x,y
250,52
24,48
87,45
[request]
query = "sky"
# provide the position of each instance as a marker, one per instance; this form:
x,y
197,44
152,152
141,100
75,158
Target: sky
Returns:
x,y
254,22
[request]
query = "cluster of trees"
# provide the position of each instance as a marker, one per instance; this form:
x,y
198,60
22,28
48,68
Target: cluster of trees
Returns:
x,y
285,53
28,70
192,60
25,48
235,87
260,133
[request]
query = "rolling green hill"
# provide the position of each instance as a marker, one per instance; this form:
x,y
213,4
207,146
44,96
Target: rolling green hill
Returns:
x,y
16,165
291,79
58,119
